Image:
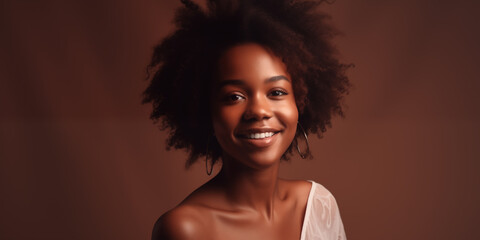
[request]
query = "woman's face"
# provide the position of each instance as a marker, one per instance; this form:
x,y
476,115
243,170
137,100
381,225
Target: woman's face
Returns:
x,y
254,111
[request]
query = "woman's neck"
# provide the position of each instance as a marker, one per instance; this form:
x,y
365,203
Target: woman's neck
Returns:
x,y
250,188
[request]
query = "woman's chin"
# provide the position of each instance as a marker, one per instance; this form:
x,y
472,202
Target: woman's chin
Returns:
x,y
259,160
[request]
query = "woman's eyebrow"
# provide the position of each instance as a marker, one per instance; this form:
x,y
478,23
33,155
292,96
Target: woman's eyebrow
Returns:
x,y
277,78
236,82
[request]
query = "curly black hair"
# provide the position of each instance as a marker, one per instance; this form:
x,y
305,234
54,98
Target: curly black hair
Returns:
x,y
184,65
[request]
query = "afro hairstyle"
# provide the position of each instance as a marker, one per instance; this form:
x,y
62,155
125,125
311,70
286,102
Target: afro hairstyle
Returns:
x,y
183,65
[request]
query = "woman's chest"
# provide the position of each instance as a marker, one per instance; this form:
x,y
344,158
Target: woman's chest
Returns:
x,y
285,224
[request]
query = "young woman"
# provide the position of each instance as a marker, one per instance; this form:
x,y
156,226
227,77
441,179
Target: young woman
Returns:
x,y
244,82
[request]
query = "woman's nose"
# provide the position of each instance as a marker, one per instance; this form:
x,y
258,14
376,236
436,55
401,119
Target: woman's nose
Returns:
x,y
258,108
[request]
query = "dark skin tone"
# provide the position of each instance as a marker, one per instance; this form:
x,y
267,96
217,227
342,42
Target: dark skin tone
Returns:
x,y
254,119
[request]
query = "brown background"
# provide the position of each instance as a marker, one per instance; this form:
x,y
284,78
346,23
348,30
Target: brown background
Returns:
x,y
81,160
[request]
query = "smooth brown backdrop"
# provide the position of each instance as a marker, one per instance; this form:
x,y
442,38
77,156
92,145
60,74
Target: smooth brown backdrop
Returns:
x,y
81,160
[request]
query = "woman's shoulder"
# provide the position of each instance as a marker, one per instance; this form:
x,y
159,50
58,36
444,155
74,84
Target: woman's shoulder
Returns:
x,y
302,186
303,189
296,190
319,191
186,221
191,219
322,215
297,187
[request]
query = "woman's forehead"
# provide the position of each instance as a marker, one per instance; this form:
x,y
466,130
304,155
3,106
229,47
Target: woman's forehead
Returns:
x,y
249,61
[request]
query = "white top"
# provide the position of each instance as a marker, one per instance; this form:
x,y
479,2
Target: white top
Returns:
x,y
322,218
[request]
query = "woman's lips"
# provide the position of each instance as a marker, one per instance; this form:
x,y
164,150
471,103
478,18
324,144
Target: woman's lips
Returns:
x,y
260,140
259,135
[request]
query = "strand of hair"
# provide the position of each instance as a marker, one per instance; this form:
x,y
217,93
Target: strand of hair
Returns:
x,y
190,4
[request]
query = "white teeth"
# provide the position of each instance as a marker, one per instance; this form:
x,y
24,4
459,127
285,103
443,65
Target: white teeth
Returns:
x,y
260,135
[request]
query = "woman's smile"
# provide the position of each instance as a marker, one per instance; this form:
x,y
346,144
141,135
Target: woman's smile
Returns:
x,y
259,137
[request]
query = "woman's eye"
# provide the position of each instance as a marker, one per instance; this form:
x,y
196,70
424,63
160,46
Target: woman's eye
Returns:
x,y
278,93
234,98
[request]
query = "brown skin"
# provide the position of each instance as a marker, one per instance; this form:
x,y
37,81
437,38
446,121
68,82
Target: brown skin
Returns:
x,y
246,200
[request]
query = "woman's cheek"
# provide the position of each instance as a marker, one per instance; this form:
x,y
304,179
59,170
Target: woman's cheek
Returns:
x,y
225,120
288,113
231,116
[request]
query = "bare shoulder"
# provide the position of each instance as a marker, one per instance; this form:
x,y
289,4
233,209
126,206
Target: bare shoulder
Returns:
x,y
299,189
183,222
191,219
